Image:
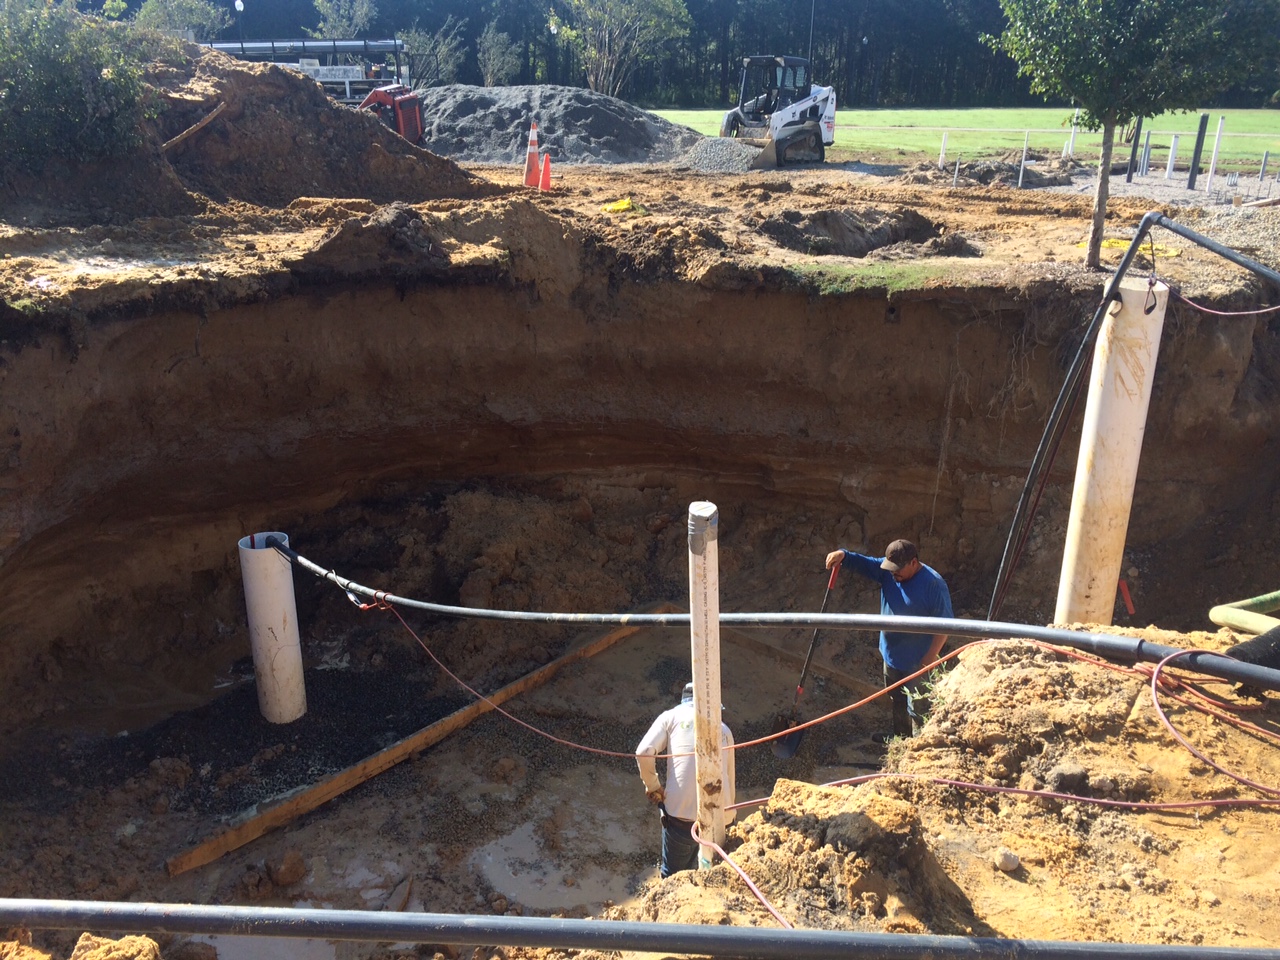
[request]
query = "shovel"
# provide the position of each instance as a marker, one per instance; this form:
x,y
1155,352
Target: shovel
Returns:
x,y
784,748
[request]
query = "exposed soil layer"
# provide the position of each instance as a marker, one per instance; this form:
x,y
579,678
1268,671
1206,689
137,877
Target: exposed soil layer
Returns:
x,y
497,398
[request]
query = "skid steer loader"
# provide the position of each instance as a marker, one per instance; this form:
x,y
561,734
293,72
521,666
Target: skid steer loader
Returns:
x,y
781,111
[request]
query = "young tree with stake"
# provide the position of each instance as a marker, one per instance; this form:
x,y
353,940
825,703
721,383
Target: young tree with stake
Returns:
x,y
1124,59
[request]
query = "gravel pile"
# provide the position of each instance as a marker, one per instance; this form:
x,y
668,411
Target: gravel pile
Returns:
x,y
718,155
575,125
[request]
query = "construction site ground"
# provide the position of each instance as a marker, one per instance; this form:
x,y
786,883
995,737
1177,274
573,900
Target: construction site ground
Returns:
x,y
443,384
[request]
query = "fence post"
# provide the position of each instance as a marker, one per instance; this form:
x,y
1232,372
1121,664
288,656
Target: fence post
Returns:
x,y
1195,157
1213,161
1133,152
1173,155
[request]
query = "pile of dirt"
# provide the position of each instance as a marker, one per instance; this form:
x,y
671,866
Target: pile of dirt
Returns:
x,y
277,137
575,125
1028,848
996,171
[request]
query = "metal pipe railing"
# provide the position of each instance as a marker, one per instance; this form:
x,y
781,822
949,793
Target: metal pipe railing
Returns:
x,y
459,929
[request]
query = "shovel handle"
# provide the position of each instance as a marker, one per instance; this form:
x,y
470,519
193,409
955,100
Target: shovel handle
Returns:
x,y
813,643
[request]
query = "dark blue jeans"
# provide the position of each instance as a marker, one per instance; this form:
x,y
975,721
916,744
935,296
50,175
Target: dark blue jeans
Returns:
x,y
910,705
679,849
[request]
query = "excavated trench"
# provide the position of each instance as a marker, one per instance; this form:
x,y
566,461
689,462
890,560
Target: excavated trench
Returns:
x,y
533,440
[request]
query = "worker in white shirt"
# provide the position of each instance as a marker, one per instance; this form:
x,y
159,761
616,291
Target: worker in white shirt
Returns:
x,y
672,733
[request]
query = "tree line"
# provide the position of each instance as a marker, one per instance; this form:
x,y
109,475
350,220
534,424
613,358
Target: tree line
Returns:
x,y
686,53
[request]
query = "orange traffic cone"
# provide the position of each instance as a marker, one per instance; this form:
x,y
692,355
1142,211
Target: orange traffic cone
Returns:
x,y
531,158
545,182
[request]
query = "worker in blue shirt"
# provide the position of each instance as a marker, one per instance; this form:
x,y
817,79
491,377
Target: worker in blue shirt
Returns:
x,y
908,588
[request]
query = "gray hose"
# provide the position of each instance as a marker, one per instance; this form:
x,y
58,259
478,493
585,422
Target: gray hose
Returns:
x,y
1109,646
746,942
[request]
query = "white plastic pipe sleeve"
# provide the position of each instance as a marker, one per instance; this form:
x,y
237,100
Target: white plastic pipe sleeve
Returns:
x,y
273,628
1115,418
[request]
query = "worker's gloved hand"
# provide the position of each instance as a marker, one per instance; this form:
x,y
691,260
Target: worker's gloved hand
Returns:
x,y
656,796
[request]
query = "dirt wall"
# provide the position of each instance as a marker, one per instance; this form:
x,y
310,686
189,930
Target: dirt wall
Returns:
x,y
137,461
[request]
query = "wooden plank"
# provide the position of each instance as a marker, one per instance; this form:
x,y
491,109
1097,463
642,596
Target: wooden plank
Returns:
x,y
320,793
1265,202
194,128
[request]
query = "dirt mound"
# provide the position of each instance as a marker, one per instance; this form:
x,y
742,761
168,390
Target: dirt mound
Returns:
x,y
909,853
277,137
847,232
491,125
997,171
280,137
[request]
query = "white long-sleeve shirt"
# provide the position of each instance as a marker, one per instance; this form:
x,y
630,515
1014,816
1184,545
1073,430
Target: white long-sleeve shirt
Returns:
x,y
672,733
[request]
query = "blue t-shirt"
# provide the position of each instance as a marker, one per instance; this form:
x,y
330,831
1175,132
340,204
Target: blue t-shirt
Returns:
x,y
924,595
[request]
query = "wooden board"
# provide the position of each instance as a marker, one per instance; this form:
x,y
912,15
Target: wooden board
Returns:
x,y
324,791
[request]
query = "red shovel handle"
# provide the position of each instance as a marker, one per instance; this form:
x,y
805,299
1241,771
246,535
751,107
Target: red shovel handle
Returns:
x,y
835,572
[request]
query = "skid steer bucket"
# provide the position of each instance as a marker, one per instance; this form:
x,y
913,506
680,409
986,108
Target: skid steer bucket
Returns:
x,y
766,159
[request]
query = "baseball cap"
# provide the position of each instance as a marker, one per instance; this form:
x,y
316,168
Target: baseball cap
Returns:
x,y
898,554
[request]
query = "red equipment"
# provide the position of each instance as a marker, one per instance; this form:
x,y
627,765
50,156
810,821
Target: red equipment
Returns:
x,y
399,108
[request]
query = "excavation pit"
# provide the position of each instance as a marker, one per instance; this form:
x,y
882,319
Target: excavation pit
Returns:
x,y
510,402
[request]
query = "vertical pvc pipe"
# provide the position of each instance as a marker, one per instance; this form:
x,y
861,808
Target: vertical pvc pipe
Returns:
x,y
704,635
1071,143
1262,173
942,154
1115,418
1213,161
1023,166
273,628
1173,156
1146,155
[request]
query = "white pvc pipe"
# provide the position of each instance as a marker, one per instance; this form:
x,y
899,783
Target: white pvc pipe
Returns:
x,y
1213,161
942,154
704,635
1115,418
273,628
1173,155
1023,166
1071,143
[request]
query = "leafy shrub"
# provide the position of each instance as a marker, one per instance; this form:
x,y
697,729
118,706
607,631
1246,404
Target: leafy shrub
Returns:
x,y
70,85
201,17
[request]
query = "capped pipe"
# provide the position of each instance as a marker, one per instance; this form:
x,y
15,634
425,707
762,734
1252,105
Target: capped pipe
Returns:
x,y
273,626
1115,419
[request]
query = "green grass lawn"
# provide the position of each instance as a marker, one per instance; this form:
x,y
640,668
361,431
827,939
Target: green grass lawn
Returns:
x,y
983,132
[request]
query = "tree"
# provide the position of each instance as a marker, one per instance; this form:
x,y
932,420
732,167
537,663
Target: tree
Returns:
x,y
497,55
343,19
70,86
1124,59
616,36
434,58
178,16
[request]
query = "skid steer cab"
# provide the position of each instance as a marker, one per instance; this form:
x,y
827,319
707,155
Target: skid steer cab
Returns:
x,y
399,108
780,110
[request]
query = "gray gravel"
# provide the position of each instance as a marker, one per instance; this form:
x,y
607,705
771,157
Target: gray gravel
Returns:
x,y
718,155
575,125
